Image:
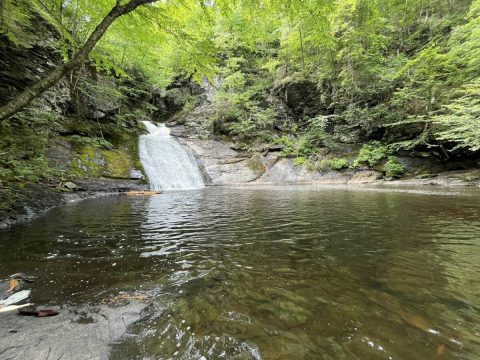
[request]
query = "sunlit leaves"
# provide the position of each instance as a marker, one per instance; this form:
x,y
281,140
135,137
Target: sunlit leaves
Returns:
x,y
373,62
460,121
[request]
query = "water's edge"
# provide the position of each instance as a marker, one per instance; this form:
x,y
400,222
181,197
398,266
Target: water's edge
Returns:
x,y
220,165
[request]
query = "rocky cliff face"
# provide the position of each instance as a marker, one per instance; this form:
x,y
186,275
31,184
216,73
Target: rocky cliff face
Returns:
x,y
226,161
83,130
225,166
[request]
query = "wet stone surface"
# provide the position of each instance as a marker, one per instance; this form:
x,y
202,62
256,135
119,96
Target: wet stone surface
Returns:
x,y
76,333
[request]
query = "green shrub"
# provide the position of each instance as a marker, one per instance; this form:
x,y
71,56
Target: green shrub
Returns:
x,y
322,165
298,147
316,134
332,164
89,141
234,82
338,164
304,147
287,142
371,154
393,168
299,161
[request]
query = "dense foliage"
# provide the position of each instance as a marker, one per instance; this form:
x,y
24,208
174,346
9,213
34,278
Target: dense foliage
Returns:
x,y
402,72
305,74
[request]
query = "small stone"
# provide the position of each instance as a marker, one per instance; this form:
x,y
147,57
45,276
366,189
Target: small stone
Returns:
x,y
136,174
70,185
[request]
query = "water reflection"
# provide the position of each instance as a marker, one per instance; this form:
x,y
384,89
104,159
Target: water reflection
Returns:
x,y
270,274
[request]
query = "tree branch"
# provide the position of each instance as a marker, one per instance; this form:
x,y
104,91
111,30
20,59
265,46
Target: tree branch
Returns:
x,y
34,91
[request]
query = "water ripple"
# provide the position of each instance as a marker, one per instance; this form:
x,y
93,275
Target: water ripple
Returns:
x,y
282,273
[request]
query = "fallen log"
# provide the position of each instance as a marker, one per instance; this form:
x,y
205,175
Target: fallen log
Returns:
x,y
142,193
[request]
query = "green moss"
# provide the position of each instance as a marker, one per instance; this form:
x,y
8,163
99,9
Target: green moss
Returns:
x,y
118,163
87,162
91,159
137,164
256,165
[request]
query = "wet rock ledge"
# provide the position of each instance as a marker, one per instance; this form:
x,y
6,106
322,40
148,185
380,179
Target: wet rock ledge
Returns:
x,y
22,205
74,334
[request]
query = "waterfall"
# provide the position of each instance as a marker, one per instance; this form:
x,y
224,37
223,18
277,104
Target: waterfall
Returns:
x,y
168,165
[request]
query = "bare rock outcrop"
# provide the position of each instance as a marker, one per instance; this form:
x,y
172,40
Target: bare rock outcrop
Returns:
x,y
75,334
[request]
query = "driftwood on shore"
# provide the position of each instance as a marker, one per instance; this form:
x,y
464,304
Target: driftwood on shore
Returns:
x,y
142,193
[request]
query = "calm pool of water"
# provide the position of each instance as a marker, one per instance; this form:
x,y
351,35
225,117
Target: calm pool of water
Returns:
x,y
269,273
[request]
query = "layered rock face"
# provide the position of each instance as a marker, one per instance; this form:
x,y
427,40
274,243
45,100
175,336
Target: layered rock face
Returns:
x,y
224,162
223,165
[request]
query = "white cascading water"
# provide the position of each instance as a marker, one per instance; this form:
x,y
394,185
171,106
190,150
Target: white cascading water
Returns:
x,y
168,165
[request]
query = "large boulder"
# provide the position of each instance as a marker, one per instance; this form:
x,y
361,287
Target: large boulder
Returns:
x,y
300,95
221,164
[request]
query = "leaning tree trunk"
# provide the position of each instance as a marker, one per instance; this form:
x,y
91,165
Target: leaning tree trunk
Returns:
x,y
32,92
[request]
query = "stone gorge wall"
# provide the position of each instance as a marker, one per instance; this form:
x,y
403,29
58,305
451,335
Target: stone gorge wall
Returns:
x,y
70,118
225,166
225,163
64,136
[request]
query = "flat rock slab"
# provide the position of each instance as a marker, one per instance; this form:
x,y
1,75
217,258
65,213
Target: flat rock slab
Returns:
x,y
85,333
223,165
284,171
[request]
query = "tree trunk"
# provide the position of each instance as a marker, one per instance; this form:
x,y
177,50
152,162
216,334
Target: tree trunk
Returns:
x,y
32,92
301,45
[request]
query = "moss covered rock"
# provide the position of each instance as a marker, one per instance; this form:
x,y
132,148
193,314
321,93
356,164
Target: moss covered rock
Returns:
x,y
90,161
